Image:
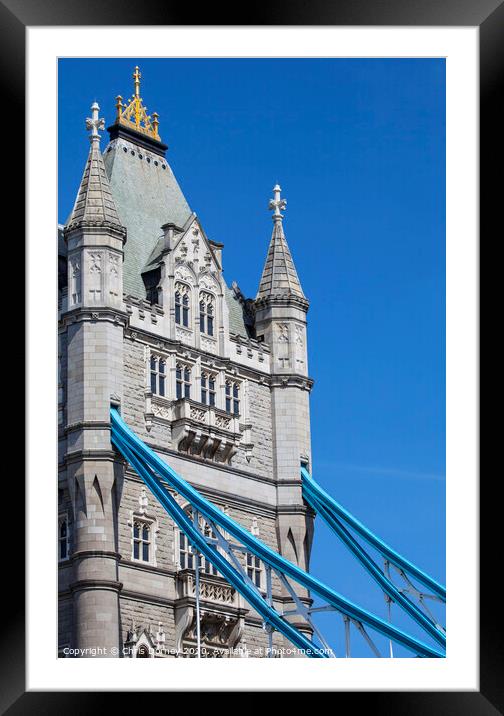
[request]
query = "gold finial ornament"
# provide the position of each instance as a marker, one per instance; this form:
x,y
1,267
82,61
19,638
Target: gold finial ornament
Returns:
x,y
134,115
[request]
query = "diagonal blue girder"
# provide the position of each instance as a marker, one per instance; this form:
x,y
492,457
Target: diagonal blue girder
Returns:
x,y
368,563
332,506
125,439
225,568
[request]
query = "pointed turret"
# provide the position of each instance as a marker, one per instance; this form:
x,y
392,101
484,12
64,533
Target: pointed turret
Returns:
x,y
279,277
95,318
94,200
280,321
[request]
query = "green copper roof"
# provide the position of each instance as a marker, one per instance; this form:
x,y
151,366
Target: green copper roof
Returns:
x,y
143,196
147,196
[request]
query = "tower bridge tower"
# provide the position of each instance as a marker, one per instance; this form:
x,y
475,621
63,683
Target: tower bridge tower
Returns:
x,y
215,383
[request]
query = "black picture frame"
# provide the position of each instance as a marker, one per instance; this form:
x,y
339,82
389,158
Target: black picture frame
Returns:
x,y
15,16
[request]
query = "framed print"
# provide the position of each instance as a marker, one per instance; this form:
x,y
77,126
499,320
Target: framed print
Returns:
x,y
232,485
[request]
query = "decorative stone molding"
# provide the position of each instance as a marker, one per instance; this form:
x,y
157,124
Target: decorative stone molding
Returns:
x,y
204,431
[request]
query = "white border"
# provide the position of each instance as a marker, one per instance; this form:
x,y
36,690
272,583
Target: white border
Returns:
x,y
460,669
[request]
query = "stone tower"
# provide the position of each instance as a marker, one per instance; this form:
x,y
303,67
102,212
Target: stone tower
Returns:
x,y
280,320
94,319
215,383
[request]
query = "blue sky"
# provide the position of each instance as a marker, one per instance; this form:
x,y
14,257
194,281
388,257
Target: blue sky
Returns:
x,y
358,147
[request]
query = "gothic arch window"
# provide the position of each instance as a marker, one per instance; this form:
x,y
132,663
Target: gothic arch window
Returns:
x,y
63,538
207,313
143,652
158,375
143,548
208,389
183,381
232,397
182,304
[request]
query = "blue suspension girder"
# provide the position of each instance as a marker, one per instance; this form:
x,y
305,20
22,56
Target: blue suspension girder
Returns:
x,y
394,557
158,475
368,563
225,568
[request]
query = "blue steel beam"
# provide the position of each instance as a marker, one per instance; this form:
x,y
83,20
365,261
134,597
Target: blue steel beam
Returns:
x,y
225,568
267,555
393,556
368,563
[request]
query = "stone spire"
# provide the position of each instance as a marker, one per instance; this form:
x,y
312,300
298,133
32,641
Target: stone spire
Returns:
x,y
279,277
94,202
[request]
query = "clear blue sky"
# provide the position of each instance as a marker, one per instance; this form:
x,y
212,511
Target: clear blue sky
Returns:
x,y
358,147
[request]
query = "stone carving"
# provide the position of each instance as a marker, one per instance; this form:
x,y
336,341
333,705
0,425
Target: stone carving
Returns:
x,y
283,332
183,274
208,282
76,279
211,590
143,501
283,344
114,275
299,342
222,422
182,334
95,276
160,411
197,414
208,344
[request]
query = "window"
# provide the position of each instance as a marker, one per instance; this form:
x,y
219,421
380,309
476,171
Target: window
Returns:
x,y
183,381
158,376
63,538
178,305
206,309
182,304
142,541
232,398
187,557
254,569
207,389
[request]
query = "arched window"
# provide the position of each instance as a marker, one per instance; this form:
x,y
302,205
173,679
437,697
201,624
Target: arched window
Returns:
x,y
141,541
208,389
232,397
182,304
63,538
158,376
185,310
143,652
178,307
207,312
183,381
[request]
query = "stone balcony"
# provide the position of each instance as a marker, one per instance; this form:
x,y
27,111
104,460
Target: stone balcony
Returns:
x,y
200,430
212,588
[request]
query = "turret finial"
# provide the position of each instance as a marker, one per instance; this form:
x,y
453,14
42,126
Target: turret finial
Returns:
x,y
94,123
277,204
136,76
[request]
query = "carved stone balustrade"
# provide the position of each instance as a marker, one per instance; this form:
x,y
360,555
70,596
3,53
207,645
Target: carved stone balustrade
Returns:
x,y
200,430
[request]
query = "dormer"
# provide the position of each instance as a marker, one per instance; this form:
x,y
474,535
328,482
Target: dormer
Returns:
x,y
191,287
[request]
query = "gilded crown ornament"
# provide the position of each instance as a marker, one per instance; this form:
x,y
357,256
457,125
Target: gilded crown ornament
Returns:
x,y
133,114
